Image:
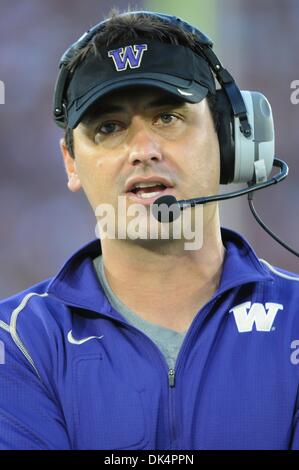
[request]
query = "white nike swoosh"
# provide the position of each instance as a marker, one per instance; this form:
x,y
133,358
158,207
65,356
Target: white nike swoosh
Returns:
x,y
185,93
72,340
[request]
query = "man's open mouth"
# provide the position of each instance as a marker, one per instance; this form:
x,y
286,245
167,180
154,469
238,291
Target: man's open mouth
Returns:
x,y
148,190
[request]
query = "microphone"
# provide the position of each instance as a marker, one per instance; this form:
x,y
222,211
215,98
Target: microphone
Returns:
x,y
168,208
170,202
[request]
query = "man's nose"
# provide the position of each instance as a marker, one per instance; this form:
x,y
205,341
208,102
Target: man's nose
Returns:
x,y
144,146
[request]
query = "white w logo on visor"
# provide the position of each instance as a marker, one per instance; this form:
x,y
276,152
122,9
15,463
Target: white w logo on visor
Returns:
x,y
256,315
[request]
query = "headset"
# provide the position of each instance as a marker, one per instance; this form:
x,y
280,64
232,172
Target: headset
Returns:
x,y
245,123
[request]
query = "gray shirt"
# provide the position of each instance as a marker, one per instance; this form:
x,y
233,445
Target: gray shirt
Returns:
x,y
168,341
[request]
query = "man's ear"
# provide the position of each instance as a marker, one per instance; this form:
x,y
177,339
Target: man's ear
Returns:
x,y
74,183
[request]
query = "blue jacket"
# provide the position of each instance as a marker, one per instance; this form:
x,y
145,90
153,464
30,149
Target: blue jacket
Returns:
x,y
75,375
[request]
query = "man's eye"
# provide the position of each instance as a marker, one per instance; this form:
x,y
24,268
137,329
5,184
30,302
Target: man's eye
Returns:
x,y
109,128
167,118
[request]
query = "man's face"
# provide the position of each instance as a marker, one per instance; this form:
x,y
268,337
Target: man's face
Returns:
x,y
143,133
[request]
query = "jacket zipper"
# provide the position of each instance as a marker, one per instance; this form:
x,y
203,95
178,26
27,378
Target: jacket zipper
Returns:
x,y
172,423
171,378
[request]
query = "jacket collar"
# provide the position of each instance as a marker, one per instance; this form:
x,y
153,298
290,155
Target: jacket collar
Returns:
x,y
77,283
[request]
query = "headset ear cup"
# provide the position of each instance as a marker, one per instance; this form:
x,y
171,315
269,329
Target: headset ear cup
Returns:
x,y
225,131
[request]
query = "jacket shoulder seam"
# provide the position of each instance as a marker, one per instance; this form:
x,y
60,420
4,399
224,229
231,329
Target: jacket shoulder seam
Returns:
x,y
12,328
279,273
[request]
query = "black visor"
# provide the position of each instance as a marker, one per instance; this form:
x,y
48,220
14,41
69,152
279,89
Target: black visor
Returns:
x,y
175,69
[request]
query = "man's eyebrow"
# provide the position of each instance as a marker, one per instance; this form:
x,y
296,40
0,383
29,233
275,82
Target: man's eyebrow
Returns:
x,y
99,111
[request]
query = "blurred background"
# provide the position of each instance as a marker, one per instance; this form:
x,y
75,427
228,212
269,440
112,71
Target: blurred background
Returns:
x,y
42,223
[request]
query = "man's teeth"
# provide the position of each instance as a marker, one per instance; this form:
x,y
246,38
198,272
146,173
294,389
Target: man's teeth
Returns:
x,y
147,185
142,189
148,195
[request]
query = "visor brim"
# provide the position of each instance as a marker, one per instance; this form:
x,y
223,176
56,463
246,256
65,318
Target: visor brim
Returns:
x,y
189,91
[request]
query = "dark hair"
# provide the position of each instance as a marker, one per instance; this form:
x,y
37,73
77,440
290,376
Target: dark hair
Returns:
x,y
129,27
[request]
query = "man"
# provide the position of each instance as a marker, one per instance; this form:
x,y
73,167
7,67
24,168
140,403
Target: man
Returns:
x,y
138,342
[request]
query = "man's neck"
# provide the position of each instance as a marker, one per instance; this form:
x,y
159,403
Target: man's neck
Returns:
x,y
169,285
